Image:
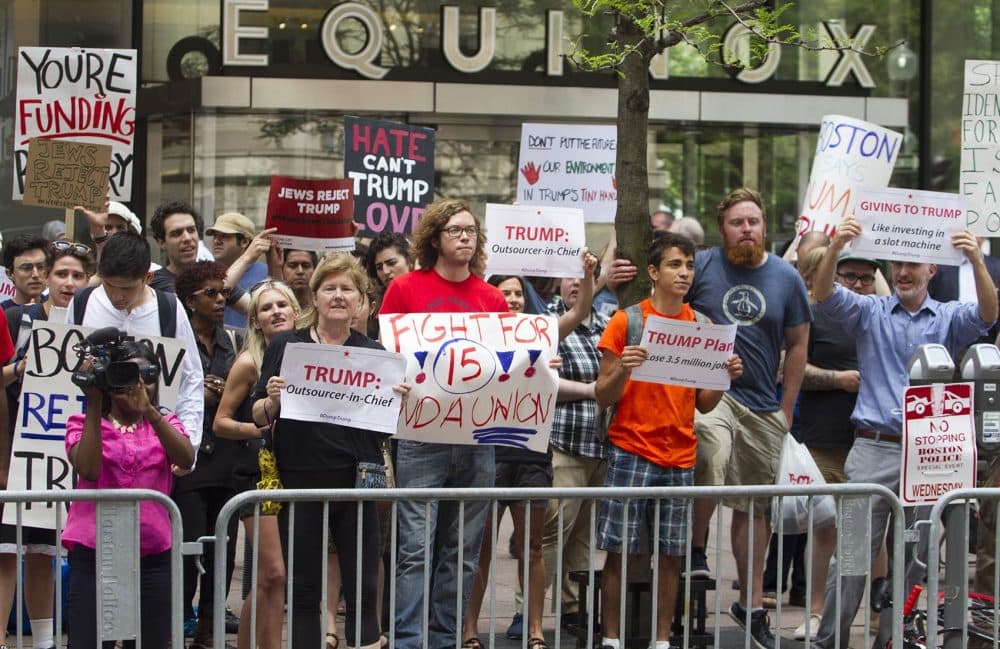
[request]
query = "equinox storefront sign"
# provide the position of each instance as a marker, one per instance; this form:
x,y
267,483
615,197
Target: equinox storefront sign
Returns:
x,y
242,43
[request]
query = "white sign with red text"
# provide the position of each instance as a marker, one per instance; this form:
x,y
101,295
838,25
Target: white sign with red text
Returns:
x,y
692,354
909,225
476,378
536,240
939,442
6,285
345,386
979,174
850,154
569,165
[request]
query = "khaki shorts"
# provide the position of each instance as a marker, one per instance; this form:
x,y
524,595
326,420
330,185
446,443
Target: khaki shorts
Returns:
x,y
831,463
738,447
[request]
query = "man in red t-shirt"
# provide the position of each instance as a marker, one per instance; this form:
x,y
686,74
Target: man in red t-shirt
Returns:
x,y
647,450
448,246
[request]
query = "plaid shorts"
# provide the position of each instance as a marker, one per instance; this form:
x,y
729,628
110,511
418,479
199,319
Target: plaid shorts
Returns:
x,y
628,470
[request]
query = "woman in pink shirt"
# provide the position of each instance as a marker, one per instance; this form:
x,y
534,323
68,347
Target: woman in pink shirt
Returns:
x,y
124,442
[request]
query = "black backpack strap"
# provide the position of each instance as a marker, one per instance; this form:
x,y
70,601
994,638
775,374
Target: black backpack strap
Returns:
x,y
166,307
80,299
14,315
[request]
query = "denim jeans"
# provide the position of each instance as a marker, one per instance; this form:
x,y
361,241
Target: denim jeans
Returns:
x,y
424,465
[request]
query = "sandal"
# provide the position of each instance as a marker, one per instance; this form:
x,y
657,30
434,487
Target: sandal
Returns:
x,y
537,643
472,643
332,641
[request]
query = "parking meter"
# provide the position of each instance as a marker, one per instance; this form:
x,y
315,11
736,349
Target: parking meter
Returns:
x,y
931,363
981,364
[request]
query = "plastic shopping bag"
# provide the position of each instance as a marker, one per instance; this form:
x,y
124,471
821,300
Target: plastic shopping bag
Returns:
x,y
797,467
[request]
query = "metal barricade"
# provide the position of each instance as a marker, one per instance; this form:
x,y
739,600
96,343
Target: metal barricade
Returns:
x,y
117,564
965,619
854,504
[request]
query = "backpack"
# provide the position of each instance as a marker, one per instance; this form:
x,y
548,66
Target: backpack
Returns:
x,y
633,336
166,308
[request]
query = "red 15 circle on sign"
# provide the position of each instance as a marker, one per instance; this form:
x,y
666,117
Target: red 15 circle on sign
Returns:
x,y
463,366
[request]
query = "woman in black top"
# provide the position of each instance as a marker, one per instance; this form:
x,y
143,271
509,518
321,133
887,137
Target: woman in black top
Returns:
x,y
325,456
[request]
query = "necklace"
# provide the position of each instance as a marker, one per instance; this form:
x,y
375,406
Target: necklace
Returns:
x,y
125,429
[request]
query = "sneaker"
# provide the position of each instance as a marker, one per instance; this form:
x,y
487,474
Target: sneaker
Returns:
x,y
770,599
699,565
516,628
232,622
800,630
760,626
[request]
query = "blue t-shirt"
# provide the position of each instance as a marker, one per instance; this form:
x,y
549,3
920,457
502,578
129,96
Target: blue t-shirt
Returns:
x,y
253,275
763,301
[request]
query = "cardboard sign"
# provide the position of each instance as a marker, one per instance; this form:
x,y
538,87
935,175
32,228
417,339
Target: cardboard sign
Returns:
x,y
692,354
347,386
48,398
569,165
939,442
311,214
84,95
534,240
477,378
63,173
909,225
979,177
392,168
850,153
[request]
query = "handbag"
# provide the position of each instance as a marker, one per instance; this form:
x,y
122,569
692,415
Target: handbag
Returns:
x,y
797,467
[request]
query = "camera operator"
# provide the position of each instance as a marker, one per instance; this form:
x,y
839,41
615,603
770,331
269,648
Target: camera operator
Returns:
x,y
122,442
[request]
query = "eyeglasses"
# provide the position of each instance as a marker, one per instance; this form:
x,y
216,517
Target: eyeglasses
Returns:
x,y
75,248
42,267
455,231
851,278
212,293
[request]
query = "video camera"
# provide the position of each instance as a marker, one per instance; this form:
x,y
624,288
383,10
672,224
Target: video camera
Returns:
x,y
117,362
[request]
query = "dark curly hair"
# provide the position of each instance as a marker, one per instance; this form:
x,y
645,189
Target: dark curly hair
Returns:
x,y
194,277
164,210
382,242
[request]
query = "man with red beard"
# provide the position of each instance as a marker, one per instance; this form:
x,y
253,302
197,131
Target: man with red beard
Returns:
x,y
739,443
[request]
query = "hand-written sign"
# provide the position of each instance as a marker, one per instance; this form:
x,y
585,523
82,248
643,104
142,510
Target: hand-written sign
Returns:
x,y
311,214
909,225
476,378
346,386
536,240
939,442
63,173
850,153
979,176
392,168
84,95
48,398
692,354
569,165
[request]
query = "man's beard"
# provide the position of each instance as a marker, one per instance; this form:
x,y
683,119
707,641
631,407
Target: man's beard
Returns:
x,y
746,255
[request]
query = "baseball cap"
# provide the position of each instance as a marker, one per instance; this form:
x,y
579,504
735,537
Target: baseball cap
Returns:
x,y
116,208
232,223
847,255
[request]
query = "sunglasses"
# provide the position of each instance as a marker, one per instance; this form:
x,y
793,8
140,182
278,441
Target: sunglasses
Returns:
x,y
62,245
212,293
267,283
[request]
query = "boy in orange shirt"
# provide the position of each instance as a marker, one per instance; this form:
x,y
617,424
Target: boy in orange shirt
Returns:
x,y
652,441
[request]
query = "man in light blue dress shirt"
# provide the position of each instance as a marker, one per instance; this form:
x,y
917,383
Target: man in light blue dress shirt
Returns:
x,y
888,331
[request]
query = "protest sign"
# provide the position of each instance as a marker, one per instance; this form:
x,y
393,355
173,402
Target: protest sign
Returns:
x,y
63,173
569,165
850,153
7,289
939,442
84,95
692,354
346,386
48,398
392,168
476,378
536,240
908,225
311,214
979,176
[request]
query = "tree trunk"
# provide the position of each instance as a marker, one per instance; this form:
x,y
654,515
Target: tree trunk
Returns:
x,y
632,216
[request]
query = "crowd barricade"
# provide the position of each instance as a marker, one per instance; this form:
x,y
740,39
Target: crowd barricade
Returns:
x,y
963,617
118,553
853,502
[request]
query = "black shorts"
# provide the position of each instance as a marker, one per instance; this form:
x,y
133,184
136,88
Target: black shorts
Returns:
x,y
524,474
34,540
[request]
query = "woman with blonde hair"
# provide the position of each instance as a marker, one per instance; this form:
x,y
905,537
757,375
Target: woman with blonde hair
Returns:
x,y
273,310
327,456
